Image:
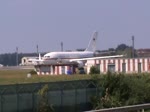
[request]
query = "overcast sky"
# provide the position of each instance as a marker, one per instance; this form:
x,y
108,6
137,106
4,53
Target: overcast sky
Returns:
x,y
26,23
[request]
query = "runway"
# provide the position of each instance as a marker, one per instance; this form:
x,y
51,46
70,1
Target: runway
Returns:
x,y
16,67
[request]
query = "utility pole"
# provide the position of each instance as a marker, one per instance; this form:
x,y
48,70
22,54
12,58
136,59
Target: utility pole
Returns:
x,y
132,46
61,46
16,56
37,48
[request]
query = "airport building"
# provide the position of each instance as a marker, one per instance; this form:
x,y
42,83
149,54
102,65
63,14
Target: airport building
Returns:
x,y
25,61
125,65
57,69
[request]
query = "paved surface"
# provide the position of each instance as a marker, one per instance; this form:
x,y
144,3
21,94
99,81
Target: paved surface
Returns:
x,y
16,67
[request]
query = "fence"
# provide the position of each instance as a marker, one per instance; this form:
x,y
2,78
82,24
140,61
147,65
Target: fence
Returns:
x,y
72,96
131,108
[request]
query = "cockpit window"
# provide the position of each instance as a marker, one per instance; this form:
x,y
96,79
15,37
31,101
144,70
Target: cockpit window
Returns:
x,y
47,56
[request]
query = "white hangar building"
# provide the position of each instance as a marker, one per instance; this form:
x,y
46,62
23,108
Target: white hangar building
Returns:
x,y
125,65
25,61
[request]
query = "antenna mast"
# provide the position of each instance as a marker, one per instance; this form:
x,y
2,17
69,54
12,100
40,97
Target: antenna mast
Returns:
x,y
132,46
61,46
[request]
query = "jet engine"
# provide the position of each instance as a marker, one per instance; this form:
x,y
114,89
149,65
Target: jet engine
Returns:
x,y
80,64
59,61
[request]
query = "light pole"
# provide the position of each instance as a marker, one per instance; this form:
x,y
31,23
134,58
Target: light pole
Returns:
x,y
16,56
132,46
37,48
61,46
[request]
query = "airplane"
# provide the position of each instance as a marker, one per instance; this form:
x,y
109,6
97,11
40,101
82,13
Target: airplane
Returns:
x,y
78,57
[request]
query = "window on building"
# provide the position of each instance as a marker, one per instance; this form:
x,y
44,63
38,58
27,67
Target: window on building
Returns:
x,y
63,69
124,67
111,68
24,60
98,66
139,68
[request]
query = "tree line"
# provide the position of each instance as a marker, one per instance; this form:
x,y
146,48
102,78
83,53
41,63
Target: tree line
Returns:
x,y
12,59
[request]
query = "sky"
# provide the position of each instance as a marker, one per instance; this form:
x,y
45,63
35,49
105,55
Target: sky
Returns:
x,y
46,23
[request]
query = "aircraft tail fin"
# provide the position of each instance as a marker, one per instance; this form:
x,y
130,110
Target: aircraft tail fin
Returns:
x,y
92,42
40,58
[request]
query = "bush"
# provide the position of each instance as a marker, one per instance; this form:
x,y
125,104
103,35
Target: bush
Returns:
x,y
122,90
33,72
44,105
94,70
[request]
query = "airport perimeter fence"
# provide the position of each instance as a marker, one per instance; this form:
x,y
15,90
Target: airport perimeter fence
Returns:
x,y
70,96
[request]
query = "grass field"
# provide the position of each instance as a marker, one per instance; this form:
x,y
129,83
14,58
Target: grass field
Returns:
x,y
20,76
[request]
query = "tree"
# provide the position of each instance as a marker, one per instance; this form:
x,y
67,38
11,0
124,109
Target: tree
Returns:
x,y
111,49
81,49
121,47
44,105
94,70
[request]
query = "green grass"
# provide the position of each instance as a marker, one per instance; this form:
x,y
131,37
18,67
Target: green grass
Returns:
x,y
20,76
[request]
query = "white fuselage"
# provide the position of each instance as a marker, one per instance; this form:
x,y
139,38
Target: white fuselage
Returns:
x,y
65,57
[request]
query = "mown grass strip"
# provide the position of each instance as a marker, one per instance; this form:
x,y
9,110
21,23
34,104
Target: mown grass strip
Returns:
x,y
20,76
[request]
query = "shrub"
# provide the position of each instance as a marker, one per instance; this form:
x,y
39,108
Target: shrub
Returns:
x,y
33,72
121,90
94,70
44,105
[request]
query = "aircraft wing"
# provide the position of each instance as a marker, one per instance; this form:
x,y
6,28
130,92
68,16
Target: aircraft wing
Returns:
x,y
102,57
